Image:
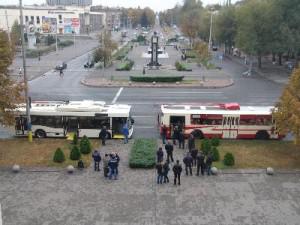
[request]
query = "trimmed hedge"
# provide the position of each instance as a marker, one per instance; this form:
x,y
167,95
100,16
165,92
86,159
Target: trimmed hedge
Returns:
x,y
215,154
206,146
65,43
215,141
228,159
59,156
85,145
75,153
156,78
142,154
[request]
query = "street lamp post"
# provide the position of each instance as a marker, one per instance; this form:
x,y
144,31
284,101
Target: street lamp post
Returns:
x,y
27,98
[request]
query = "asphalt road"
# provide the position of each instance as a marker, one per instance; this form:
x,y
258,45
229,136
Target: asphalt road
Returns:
x,y
146,101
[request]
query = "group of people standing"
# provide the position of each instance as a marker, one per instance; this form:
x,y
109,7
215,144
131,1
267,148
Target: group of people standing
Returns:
x,y
193,158
110,164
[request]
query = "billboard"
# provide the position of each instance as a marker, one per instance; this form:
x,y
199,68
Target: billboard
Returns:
x,y
49,25
70,25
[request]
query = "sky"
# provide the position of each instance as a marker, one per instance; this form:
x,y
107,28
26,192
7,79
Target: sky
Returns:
x,y
157,5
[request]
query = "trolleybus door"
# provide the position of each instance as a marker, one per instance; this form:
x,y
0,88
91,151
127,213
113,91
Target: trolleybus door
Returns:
x,y
230,126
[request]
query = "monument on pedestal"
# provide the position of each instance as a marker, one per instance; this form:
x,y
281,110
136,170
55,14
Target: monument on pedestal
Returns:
x,y
154,52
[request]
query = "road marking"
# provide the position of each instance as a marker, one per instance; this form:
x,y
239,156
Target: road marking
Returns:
x,y
144,116
0,215
143,127
193,92
117,95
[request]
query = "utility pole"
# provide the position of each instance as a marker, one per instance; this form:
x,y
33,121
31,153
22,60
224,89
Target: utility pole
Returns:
x,y
25,75
210,32
8,31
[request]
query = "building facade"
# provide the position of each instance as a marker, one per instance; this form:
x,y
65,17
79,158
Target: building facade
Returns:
x,y
69,2
113,16
50,20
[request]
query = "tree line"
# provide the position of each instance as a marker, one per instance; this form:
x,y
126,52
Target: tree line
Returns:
x,y
256,27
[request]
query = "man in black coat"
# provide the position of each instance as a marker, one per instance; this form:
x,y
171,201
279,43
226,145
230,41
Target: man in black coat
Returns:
x,y
177,169
166,169
160,155
181,140
103,135
191,142
187,160
97,158
200,163
208,163
175,134
159,169
169,149
194,154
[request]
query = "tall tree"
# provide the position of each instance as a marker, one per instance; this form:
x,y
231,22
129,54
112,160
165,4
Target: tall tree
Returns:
x,y
10,93
253,28
287,113
225,27
107,46
190,24
16,33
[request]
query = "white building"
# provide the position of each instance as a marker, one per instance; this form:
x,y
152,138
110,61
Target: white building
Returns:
x,y
46,20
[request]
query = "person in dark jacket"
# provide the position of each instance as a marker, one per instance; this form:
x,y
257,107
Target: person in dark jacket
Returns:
x,y
80,164
103,135
208,163
97,158
181,140
125,132
112,164
175,134
166,169
105,165
191,142
187,160
164,131
160,155
200,163
177,169
118,160
169,149
159,169
194,154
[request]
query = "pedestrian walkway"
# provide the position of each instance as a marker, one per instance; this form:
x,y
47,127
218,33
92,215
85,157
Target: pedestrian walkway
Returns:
x,y
86,197
269,71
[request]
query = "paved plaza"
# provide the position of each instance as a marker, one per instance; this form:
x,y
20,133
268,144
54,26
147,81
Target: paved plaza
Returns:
x,y
86,198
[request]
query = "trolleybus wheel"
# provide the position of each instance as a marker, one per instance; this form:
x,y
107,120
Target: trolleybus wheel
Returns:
x,y
40,134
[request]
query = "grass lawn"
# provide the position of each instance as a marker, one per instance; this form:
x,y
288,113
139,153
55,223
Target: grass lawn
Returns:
x,y
260,154
39,153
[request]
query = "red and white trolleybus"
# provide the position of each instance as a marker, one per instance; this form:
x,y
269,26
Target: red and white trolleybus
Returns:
x,y
229,120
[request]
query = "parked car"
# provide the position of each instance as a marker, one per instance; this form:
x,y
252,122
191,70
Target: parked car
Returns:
x,y
61,66
214,48
89,65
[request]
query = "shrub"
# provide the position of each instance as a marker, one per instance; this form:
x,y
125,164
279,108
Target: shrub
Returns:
x,y
65,43
140,38
215,141
85,145
125,66
181,67
75,153
142,154
59,156
156,78
215,154
206,146
75,139
229,159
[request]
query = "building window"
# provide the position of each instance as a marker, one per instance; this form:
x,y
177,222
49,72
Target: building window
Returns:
x,y
26,18
32,19
38,20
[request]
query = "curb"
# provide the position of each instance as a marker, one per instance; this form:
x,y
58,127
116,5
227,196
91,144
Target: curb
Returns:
x,y
85,83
